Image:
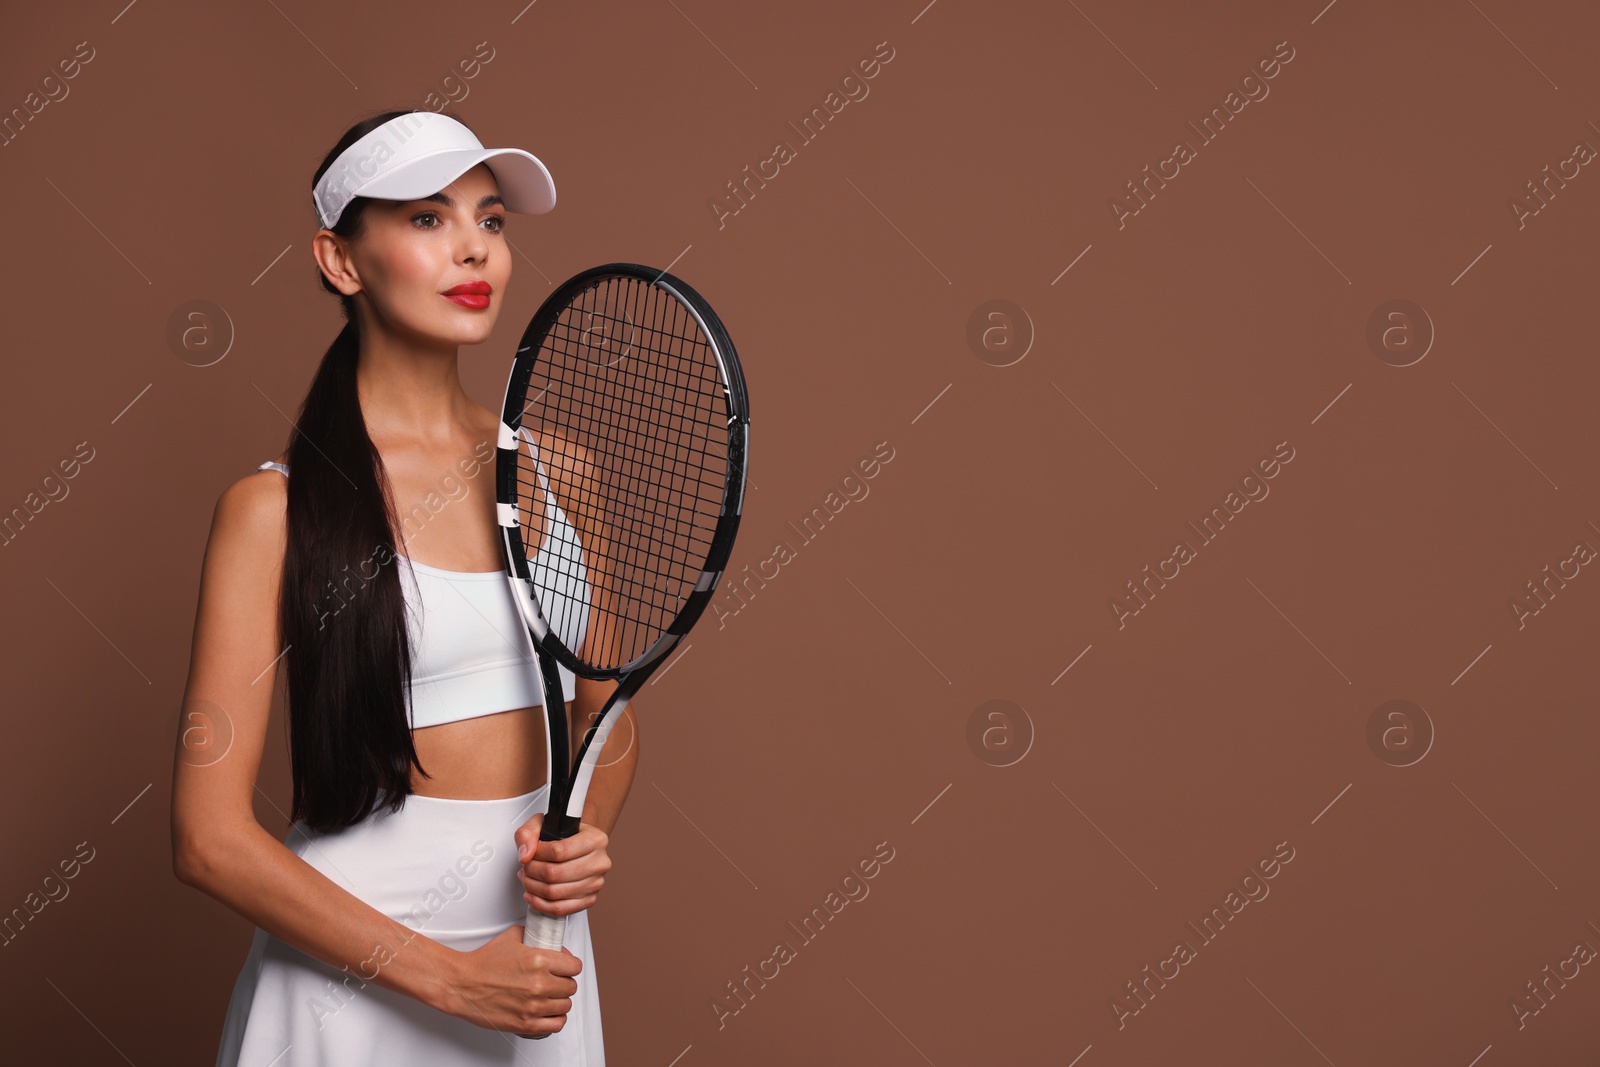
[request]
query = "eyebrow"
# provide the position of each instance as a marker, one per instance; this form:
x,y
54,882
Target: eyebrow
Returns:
x,y
441,198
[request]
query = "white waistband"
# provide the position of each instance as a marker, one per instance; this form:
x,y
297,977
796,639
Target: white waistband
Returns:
x,y
441,865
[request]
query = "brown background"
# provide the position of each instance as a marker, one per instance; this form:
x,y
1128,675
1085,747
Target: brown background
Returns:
x,y
835,710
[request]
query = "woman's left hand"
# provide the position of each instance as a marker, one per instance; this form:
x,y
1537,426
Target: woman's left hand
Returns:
x,y
562,877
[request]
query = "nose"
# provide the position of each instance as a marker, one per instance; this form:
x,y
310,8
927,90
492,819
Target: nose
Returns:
x,y
474,246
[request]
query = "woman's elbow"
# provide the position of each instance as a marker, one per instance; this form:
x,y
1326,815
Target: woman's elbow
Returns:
x,y
197,853
190,859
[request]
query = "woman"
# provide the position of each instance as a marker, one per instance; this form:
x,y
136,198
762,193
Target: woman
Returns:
x,y
389,921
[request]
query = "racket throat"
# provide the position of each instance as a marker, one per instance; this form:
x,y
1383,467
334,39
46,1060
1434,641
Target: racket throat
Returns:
x,y
558,825
562,826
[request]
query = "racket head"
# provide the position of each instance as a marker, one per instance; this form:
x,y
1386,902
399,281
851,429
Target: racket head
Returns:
x,y
627,396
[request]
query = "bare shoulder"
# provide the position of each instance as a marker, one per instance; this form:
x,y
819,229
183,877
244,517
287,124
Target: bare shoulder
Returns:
x,y
569,464
549,440
251,514
488,423
574,479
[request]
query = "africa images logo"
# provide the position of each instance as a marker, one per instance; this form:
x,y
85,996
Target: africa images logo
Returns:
x,y
374,152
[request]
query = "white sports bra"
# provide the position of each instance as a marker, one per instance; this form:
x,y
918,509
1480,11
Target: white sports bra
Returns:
x,y
471,654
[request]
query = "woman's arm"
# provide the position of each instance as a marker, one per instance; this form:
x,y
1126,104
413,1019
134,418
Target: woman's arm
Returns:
x,y
217,845
583,500
613,773
561,877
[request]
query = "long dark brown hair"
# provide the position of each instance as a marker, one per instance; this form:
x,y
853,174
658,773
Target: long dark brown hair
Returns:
x,y
342,611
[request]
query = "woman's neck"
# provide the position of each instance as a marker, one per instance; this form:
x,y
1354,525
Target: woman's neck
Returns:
x,y
411,395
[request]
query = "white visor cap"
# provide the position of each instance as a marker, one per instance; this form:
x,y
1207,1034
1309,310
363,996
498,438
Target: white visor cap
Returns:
x,y
419,153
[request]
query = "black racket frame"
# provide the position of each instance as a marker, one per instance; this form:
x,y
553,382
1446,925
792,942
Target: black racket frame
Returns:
x,y
630,676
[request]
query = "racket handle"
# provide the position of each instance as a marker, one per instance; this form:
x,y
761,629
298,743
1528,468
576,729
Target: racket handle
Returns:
x,y
543,931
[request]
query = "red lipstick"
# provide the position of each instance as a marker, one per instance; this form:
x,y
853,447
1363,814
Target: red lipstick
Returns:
x,y
473,295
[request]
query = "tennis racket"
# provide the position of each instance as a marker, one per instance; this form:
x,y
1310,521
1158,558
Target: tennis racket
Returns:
x,y
625,397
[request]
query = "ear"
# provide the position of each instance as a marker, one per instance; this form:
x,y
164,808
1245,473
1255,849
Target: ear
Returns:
x,y
332,255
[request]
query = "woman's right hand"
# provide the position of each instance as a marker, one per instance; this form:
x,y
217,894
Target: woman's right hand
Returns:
x,y
506,985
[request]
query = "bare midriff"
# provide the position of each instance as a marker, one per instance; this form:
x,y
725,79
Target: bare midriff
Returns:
x,y
483,758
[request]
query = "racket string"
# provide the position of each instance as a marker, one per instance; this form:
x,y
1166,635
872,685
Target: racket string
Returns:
x,y
629,377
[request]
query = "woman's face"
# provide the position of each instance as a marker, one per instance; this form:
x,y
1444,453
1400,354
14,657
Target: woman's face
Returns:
x,y
413,251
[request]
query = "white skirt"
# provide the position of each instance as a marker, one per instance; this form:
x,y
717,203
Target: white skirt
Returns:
x,y
447,869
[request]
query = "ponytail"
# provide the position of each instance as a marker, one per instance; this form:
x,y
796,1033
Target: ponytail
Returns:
x,y
343,612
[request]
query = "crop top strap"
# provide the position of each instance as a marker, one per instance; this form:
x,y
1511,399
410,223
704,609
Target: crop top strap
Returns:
x,y
273,465
538,464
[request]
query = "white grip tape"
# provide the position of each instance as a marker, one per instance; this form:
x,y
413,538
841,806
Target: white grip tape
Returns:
x,y
544,931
